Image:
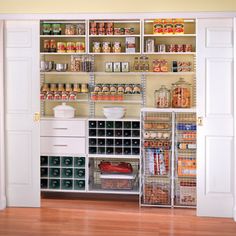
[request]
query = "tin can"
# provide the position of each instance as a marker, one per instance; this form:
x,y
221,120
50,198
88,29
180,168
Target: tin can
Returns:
x,y
188,48
61,47
80,47
93,31
70,47
101,31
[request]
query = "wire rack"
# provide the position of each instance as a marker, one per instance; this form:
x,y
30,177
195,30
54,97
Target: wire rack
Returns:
x,y
185,160
95,181
156,161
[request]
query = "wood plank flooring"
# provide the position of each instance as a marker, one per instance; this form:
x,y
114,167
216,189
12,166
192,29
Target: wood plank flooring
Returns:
x,y
59,217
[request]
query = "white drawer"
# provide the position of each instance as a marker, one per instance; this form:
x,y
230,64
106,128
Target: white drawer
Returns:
x,y
62,146
75,128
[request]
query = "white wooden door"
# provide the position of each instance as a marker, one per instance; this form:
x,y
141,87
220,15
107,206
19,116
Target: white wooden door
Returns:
x,y
215,105
22,86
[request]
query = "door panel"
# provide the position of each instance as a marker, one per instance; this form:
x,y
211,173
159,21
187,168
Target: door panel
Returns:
x,y
215,105
22,101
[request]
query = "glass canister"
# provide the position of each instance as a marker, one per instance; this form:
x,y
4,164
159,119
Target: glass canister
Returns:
x,y
162,97
181,94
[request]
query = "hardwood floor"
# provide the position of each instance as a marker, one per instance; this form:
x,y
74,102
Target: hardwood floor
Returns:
x,y
59,217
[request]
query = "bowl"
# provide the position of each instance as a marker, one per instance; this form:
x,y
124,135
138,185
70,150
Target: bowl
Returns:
x,y
46,65
61,67
111,112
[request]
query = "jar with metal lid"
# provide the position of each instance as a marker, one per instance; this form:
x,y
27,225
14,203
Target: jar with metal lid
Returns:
x,y
53,87
70,47
76,88
181,94
162,97
106,47
46,45
56,29
61,47
84,88
128,89
116,47
61,87
96,47
70,29
80,29
80,47
46,28
105,88
53,45
68,87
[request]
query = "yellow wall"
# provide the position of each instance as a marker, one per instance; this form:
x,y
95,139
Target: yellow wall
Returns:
x,y
88,6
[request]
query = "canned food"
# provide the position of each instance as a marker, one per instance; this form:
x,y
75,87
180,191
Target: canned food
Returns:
x,y
179,48
109,31
188,48
93,31
46,45
101,31
80,47
61,47
93,24
70,47
171,48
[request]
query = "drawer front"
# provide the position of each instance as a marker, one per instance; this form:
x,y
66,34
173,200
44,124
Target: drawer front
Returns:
x,y
62,146
58,128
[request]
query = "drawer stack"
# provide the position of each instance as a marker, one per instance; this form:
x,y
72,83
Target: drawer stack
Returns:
x,y
63,155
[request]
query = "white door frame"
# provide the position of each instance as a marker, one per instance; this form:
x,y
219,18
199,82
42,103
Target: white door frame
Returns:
x,y
102,16
2,143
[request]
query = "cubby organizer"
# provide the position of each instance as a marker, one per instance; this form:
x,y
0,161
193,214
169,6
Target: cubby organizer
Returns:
x,y
114,137
63,173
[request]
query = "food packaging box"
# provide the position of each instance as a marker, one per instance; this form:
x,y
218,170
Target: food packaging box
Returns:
x,y
108,67
188,195
117,181
64,111
116,67
130,44
125,66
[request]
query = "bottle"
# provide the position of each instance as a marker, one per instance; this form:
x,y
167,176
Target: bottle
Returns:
x,y
109,133
141,64
118,142
127,133
101,142
92,141
127,151
43,160
136,64
109,150
68,161
127,142
80,161
135,142
81,173
110,142
68,172
146,64
55,172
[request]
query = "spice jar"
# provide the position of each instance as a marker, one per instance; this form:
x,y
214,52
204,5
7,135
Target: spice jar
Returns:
x,y
162,97
181,94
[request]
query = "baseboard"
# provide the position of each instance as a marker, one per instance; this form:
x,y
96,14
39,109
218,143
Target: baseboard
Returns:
x,y
3,203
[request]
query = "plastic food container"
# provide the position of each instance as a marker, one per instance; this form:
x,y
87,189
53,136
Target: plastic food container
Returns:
x,y
162,97
64,111
117,181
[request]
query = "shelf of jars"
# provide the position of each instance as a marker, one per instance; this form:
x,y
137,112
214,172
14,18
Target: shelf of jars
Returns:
x,y
65,73
62,36
167,35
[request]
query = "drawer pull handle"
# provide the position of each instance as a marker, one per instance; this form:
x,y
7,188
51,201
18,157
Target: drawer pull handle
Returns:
x,y
61,128
60,145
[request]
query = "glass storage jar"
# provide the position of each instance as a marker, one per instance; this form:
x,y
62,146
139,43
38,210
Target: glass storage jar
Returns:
x,y
181,94
162,97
